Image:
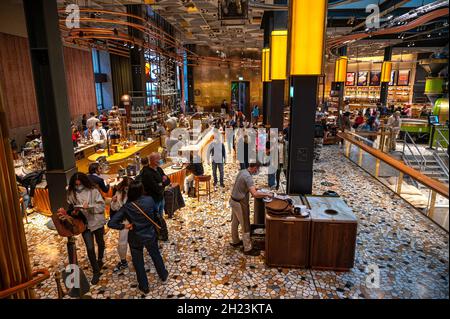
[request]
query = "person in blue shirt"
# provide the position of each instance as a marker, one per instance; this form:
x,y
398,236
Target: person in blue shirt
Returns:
x,y
255,114
142,232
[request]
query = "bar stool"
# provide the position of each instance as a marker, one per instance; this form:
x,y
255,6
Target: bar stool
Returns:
x,y
203,191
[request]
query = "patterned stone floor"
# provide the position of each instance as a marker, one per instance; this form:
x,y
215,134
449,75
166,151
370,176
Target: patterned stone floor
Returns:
x,y
411,252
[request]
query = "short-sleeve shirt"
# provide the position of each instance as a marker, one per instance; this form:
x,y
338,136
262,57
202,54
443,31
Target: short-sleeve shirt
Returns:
x,y
242,184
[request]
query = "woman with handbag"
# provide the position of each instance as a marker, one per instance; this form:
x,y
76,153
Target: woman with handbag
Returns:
x,y
88,201
117,201
140,211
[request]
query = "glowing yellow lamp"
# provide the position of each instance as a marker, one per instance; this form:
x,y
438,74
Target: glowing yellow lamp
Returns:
x,y
306,32
265,65
386,70
340,71
278,55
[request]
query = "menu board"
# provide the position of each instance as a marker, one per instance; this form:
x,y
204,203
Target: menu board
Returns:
x,y
350,81
362,78
403,77
375,78
393,75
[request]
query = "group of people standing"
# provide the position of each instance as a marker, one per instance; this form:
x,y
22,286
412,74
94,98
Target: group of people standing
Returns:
x,y
135,209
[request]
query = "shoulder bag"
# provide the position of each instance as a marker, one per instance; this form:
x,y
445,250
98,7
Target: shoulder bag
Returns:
x,y
160,225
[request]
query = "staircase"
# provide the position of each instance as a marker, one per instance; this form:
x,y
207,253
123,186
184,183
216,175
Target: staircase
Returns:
x,y
432,163
431,167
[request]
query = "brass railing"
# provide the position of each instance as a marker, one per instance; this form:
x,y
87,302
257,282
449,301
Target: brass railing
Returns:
x,y
38,277
402,172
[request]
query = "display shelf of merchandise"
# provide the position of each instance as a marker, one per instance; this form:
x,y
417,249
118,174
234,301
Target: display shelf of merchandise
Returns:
x,y
362,93
399,94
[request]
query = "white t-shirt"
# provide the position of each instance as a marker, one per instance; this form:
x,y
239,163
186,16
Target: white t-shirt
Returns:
x,y
99,135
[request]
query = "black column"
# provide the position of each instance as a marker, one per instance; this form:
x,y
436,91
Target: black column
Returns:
x,y
137,58
276,104
47,61
301,134
385,85
190,77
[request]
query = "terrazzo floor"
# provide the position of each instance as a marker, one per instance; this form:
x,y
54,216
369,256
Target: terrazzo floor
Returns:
x,y
410,252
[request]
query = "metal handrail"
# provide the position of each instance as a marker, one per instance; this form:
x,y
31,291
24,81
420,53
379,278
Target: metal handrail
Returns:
x,y
438,154
422,164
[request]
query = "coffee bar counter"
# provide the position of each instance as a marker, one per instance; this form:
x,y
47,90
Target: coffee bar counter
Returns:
x,y
120,158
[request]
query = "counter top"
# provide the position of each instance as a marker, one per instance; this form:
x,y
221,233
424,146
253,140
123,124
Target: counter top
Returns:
x,y
319,204
122,154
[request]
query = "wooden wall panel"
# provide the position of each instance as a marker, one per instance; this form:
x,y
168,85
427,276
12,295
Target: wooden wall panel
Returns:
x,y
16,80
80,81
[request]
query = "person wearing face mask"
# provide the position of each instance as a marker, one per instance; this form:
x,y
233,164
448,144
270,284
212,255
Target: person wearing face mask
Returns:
x,y
99,134
154,180
240,207
87,200
117,201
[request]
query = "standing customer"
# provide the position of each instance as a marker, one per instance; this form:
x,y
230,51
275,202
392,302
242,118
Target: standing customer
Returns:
x,y
218,155
87,200
91,121
84,122
118,200
255,114
282,159
240,207
154,180
96,180
140,212
394,124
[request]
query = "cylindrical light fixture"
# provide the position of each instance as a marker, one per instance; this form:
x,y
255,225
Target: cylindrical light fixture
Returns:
x,y
265,65
278,55
386,70
340,70
306,33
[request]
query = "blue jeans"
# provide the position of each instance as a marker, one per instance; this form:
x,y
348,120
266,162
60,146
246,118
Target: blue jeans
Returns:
x,y
159,207
88,238
137,255
26,203
271,179
216,166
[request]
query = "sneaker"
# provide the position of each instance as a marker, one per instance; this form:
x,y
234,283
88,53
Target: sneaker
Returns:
x,y
240,243
121,266
252,252
144,290
96,278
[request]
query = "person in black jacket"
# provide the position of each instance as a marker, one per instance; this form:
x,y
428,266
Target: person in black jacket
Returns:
x,y
218,155
94,177
154,180
141,233
194,168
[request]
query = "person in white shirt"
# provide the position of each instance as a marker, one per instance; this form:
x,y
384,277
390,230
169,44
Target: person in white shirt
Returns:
x,y
92,121
99,135
394,124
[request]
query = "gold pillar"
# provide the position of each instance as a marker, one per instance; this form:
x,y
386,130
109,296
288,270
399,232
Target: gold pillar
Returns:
x,y
15,266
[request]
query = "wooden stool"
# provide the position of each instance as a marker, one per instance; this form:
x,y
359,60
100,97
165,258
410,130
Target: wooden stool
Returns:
x,y
203,191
